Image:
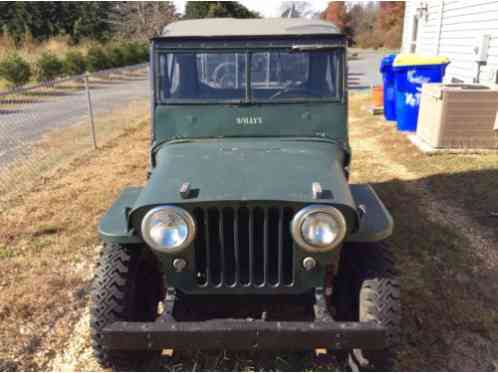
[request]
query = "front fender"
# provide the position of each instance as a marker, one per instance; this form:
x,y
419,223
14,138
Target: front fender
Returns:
x,y
376,223
114,225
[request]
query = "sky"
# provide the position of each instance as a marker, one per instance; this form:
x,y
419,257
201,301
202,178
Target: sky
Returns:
x,y
268,8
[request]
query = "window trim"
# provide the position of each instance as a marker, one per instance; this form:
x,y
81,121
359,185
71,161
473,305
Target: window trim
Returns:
x,y
341,84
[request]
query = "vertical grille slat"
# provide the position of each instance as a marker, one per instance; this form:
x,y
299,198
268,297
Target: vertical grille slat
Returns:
x,y
251,246
259,247
266,258
236,247
288,255
222,247
228,248
244,246
280,245
208,252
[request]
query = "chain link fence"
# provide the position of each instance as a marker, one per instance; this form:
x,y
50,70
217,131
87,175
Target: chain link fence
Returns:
x,y
46,125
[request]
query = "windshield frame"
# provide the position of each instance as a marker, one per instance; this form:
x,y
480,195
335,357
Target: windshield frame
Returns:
x,y
248,52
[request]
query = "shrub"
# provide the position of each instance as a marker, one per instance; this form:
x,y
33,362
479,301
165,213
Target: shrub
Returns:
x,y
393,37
74,63
143,51
370,39
48,67
97,59
135,53
117,56
15,70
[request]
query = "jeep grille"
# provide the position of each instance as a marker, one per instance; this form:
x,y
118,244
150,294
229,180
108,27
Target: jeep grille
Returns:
x,y
244,247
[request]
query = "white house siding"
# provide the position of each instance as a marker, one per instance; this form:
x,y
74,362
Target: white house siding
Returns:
x,y
451,28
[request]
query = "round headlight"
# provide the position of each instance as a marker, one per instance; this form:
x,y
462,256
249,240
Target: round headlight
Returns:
x,y
319,228
168,229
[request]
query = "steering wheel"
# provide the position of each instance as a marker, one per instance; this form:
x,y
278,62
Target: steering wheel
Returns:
x,y
224,75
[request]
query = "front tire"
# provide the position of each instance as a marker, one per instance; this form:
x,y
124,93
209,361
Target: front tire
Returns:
x,y
127,286
368,290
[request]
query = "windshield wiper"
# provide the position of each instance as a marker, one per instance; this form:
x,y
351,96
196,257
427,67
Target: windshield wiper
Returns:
x,y
287,87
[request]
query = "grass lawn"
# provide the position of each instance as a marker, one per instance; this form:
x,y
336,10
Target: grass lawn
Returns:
x,y
445,242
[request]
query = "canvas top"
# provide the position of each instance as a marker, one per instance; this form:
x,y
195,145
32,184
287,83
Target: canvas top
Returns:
x,y
230,27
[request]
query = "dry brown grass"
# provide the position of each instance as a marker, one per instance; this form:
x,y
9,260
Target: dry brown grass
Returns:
x,y
32,49
48,241
59,146
445,241
449,303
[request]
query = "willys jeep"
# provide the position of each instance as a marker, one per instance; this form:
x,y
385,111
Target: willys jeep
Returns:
x,y
247,234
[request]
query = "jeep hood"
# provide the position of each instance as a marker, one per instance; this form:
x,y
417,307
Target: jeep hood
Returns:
x,y
224,170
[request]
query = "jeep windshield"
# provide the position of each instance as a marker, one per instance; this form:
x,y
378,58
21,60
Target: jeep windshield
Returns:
x,y
249,76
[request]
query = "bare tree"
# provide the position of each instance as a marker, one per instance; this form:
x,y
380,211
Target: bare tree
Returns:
x,y
298,9
141,20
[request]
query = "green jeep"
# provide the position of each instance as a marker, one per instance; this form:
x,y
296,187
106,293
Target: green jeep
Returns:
x,y
247,234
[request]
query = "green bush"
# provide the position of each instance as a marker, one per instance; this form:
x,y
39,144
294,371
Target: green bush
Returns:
x,y
133,53
144,52
15,70
48,67
97,59
128,54
74,63
117,56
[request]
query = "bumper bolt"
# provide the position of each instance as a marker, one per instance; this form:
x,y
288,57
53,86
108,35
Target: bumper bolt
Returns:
x,y
309,263
179,264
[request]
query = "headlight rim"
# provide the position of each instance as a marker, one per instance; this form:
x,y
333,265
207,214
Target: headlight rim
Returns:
x,y
184,214
301,215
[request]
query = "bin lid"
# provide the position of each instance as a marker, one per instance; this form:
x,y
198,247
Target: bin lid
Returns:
x,y
419,60
387,62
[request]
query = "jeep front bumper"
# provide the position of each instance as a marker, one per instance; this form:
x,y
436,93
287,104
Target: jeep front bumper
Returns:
x,y
243,335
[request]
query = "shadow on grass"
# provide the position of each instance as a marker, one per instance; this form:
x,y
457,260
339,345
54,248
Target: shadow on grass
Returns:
x,y
55,92
118,80
19,101
476,192
448,292
8,112
7,365
358,87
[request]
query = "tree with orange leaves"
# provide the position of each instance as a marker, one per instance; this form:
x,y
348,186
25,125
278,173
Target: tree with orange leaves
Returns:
x,y
375,24
390,22
338,14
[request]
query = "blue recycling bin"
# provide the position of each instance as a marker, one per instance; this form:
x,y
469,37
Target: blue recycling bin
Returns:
x,y
386,69
410,72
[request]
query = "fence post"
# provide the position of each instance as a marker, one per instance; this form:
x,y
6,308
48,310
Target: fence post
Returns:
x,y
90,112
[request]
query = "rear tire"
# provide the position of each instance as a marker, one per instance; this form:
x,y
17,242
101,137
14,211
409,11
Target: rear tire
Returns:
x,y
127,287
368,290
